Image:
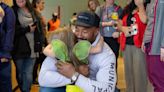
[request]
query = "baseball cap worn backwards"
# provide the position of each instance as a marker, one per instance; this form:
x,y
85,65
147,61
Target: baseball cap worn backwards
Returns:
x,y
87,19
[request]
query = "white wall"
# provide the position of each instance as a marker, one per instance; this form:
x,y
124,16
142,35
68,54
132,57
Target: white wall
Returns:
x,y
68,7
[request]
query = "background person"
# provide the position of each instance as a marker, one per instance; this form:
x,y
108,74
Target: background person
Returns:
x,y
153,44
93,4
133,28
38,6
28,42
7,28
107,23
54,23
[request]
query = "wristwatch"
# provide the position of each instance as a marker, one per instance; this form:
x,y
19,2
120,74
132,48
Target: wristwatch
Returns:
x,y
74,77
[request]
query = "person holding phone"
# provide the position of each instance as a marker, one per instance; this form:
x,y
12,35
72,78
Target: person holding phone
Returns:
x,y
132,30
28,42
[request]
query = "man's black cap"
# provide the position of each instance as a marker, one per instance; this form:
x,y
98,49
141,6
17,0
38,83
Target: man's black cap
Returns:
x,y
87,19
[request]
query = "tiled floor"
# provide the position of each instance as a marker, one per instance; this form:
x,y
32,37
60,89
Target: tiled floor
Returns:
x,y
120,84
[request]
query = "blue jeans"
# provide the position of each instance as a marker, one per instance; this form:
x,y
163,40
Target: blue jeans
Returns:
x,y
48,89
5,77
24,71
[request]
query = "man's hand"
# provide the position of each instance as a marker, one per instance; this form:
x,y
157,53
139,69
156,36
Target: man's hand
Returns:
x,y
65,69
162,54
83,69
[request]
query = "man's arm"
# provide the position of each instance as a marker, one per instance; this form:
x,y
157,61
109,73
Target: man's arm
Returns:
x,y
10,29
105,78
49,76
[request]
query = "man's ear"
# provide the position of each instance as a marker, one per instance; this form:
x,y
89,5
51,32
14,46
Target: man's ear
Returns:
x,y
96,31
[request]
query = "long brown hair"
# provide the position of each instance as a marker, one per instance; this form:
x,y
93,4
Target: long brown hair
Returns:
x,y
95,1
130,7
28,5
34,2
67,36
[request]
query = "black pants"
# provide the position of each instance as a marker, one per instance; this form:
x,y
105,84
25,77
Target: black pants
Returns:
x,y
38,62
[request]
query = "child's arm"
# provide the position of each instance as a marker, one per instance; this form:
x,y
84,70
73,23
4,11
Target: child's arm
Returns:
x,y
48,51
98,47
